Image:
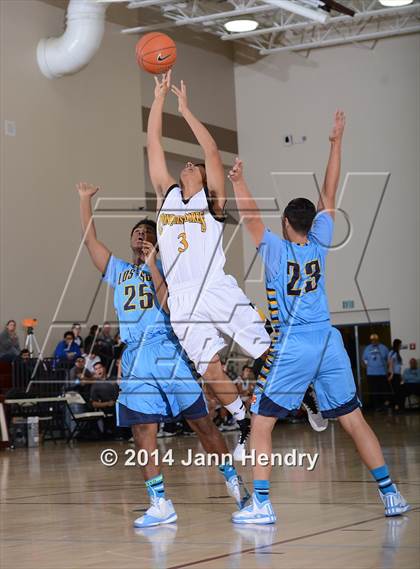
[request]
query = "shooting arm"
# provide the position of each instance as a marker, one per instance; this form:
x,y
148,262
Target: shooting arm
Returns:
x,y
159,175
213,162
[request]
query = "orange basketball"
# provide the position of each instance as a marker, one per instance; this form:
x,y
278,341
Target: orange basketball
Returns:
x,y
156,53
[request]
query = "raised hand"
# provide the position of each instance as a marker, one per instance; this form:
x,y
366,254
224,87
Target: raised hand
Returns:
x,y
162,87
86,190
181,93
236,173
149,252
338,127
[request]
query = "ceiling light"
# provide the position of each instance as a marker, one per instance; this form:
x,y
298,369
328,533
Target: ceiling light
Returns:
x,y
241,25
394,3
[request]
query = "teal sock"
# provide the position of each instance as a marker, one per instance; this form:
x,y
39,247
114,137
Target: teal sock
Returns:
x,y
228,471
262,490
155,487
382,477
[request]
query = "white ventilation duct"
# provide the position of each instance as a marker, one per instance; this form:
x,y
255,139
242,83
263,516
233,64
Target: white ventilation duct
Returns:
x,y
75,48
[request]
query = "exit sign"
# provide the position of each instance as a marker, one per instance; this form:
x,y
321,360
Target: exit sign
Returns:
x,y
348,304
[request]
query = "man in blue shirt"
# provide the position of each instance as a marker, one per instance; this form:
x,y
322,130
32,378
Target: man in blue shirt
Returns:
x,y
67,350
375,359
305,347
157,383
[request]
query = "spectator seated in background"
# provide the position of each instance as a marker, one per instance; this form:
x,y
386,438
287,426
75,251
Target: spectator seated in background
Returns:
x,y
24,355
411,379
103,395
76,329
67,350
9,342
78,372
90,339
24,368
245,384
105,343
91,359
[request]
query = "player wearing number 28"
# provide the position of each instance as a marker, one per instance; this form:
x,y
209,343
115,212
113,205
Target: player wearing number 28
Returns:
x,y
306,348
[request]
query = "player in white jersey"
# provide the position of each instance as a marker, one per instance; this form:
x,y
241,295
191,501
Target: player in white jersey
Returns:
x,y
204,302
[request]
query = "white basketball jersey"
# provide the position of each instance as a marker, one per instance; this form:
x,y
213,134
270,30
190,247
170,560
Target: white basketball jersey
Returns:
x,y
190,240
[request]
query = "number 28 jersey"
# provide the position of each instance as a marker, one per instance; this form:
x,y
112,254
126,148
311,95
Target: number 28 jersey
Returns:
x,y
139,313
190,240
295,276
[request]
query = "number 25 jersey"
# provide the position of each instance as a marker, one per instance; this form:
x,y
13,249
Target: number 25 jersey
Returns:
x,y
139,313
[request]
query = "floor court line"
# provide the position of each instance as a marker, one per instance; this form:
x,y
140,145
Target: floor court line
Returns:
x,y
281,542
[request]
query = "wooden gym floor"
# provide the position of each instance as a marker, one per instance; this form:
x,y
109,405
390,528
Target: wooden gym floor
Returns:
x,y
61,508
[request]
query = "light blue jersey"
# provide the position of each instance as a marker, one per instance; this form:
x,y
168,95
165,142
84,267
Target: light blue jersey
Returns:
x,y
157,383
295,276
139,313
305,347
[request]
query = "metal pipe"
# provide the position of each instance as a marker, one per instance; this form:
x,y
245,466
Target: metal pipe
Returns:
x,y
337,20
200,19
295,8
147,3
341,41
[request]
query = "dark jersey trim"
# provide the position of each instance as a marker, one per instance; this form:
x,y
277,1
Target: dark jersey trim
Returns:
x,y
220,218
165,196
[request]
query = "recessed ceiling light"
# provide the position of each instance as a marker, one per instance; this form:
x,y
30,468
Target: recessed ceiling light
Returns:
x,y
241,25
394,3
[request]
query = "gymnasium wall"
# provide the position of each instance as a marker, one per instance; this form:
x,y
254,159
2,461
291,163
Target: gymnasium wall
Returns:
x,y
82,127
379,90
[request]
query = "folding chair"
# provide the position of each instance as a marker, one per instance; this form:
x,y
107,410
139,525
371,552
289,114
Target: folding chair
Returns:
x,y
81,420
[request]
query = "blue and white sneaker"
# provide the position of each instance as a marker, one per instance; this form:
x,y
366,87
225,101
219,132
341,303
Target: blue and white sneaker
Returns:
x,y
255,513
237,489
394,503
161,511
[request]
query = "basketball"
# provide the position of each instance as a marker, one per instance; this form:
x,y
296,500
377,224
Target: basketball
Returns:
x,y
156,53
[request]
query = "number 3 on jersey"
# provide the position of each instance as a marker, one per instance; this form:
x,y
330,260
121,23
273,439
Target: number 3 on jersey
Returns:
x,y
312,271
183,242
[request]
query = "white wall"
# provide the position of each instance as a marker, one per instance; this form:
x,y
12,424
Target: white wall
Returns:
x,y
379,91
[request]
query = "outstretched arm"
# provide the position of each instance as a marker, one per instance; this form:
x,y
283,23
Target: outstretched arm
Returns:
x,y
214,168
161,179
97,250
247,206
332,174
161,288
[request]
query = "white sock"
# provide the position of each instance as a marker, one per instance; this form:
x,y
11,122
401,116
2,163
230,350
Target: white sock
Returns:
x,y
237,409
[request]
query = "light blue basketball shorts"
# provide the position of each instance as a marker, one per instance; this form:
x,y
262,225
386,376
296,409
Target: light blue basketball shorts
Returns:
x,y
297,357
157,384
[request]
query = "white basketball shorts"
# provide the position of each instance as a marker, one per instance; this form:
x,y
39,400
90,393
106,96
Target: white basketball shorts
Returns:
x,y
200,315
